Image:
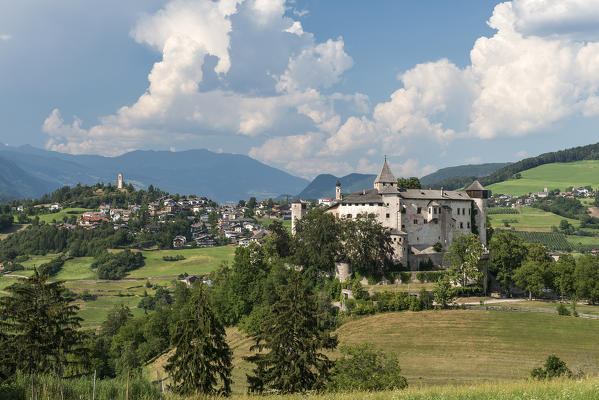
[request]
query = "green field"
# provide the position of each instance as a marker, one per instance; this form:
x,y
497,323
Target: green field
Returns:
x,y
529,219
463,347
456,347
58,216
265,222
76,268
197,261
551,176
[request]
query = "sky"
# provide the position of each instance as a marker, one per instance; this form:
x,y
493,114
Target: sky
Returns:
x,y
308,86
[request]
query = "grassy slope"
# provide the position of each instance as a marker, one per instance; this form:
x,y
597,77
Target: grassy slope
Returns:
x,y
455,347
197,261
530,219
556,175
58,216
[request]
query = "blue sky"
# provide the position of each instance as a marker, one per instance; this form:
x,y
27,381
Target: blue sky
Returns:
x,y
309,86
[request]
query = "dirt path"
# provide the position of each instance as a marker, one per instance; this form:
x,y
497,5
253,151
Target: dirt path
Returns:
x,y
594,211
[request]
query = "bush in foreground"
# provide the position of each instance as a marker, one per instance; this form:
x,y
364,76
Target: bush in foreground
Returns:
x,y
554,367
362,368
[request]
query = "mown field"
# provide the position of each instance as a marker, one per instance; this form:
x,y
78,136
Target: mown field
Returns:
x,y
551,176
465,347
456,347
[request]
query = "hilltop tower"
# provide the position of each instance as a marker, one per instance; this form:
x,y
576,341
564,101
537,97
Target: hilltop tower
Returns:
x,y
479,194
338,191
120,184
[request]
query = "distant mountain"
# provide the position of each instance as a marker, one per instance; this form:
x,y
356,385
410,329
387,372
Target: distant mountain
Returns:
x,y
16,183
220,176
469,170
324,185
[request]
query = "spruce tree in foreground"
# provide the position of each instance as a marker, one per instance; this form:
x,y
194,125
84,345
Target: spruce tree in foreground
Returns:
x,y
40,327
201,363
290,343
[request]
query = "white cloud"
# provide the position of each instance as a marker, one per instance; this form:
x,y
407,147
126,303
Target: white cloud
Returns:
x,y
315,67
5,37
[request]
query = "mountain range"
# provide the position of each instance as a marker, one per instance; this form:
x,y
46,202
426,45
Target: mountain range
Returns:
x,y
28,172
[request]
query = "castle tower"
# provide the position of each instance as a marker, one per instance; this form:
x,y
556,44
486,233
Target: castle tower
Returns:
x,y
338,191
479,194
298,210
120,184
385,180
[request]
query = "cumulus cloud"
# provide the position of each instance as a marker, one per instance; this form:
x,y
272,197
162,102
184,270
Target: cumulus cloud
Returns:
x,y
187,33
247,67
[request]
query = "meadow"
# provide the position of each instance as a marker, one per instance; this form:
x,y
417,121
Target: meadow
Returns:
x,y
455,347
58,216
197,261
529,219
551,176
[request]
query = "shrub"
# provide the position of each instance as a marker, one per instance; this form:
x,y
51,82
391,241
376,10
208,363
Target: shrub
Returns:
x,y
405,277
562,309
553,368
421,276
438,247
362,368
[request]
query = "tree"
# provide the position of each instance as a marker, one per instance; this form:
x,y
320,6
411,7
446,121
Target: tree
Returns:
x,y
317,240
587,278
530,277
464,255
507,253
40,326
290,343
362,368
409,183
201,363
367,246
251,204
554,367
443,292
563,275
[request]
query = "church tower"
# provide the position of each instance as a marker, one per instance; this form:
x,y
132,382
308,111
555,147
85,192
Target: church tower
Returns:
x,y
338,191
120,184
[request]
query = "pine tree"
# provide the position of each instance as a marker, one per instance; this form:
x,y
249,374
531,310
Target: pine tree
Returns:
x,y
41,326
202,358
289,344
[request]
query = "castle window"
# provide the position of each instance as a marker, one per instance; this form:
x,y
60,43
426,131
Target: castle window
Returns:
x,y
461,225
415,222
468,225
403,226
418,210
463,211
458,211
468,211
426,221
403,210
387,215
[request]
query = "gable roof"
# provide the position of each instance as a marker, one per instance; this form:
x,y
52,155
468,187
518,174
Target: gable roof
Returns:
x,y
385,176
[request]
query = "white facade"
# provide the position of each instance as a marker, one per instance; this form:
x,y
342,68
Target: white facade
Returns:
x,y
417,219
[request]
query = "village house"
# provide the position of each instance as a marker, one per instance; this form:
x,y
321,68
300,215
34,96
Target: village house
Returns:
x,y
179,241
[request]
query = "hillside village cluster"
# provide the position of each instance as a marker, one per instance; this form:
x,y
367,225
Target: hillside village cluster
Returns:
x,y
506,200
210,222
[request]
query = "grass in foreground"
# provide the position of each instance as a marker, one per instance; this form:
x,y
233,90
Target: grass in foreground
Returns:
x,y
551,176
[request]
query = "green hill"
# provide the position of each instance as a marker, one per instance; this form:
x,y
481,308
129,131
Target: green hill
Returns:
x,y
551,176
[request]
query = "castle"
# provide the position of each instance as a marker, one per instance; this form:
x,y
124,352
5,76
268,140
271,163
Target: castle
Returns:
x,y
422,223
